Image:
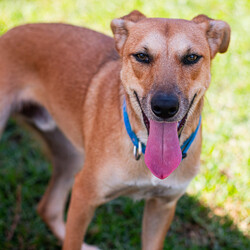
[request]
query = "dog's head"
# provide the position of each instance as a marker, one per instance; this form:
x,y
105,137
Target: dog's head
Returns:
x,y
166,70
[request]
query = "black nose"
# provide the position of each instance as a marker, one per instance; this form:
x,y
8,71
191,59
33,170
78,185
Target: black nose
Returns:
x,y
164,105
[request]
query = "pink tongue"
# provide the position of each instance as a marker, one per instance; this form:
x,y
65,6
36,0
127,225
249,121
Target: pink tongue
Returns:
x,y
163,153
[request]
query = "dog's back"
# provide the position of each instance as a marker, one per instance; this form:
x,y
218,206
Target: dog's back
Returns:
x,y
58,59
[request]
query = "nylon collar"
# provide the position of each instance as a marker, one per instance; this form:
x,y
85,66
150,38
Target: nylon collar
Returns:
x,y
140,147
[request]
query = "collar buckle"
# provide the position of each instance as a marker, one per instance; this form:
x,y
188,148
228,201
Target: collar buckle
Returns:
x,y
138,151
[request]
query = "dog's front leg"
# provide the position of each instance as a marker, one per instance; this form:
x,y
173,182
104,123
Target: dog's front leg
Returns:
x,y
82,207
158,215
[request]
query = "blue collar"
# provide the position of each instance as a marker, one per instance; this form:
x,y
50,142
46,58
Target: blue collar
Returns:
x,y
140,147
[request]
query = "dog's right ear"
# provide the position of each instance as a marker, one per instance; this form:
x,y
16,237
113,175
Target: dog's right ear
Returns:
x,y
120,27
217,32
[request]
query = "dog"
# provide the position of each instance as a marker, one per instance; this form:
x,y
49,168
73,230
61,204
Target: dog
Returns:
x,y
119,116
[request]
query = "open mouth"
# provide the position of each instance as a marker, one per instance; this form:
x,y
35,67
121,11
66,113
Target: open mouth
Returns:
x,y
181,123
163,153
145,119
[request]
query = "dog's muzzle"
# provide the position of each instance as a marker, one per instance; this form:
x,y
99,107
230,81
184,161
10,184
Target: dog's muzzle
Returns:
x,y
164,106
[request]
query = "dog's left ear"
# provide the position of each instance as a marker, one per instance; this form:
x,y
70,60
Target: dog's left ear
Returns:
x,y
217,31
120,27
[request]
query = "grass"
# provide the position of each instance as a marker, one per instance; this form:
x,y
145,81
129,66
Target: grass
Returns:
x,y
215,212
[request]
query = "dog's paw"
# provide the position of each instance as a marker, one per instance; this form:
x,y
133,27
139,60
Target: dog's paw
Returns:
x,y
89,247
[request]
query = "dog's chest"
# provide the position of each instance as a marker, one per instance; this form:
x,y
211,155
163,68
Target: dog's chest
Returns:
x,y
145,188
154,187
134,179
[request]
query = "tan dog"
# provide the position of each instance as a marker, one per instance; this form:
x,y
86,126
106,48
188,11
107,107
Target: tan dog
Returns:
x,y
69,85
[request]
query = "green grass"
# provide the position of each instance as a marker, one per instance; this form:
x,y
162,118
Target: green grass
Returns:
x,y
215,212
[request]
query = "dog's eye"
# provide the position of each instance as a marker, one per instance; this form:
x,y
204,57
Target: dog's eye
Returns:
x,y
191,59
142,57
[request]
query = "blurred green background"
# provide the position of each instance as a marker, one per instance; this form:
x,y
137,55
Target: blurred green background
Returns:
x,y
215,212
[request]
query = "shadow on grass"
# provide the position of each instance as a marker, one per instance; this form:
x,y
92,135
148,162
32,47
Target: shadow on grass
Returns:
x,y
118,226
24,174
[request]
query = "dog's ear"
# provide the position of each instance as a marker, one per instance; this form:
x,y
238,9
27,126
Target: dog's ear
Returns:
x,y
217,31
120,27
